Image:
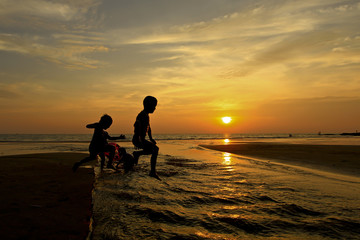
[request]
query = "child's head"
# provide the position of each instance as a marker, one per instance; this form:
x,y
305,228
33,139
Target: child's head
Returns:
x,y
150,103
105,121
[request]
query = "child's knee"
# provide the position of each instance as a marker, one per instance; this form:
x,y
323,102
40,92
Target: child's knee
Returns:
x,y
155,149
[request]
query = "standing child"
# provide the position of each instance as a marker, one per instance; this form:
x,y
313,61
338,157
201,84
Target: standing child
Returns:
x,y
99,144
141,128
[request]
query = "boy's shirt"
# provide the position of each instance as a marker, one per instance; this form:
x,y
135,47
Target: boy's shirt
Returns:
x,y
142,124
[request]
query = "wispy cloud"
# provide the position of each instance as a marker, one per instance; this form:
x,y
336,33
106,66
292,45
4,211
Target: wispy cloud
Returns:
x,y
245,44
58,10
69,52
38,8
6,94
59,32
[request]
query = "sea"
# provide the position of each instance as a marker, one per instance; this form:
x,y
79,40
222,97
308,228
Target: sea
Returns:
x,y
207,194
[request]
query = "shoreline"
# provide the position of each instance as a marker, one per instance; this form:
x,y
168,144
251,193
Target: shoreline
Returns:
x,y
339,159
43,199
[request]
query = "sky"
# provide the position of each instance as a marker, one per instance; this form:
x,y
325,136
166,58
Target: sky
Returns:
x,y
274,66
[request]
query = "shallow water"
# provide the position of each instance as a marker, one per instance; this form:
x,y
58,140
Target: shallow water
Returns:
x,y
206,194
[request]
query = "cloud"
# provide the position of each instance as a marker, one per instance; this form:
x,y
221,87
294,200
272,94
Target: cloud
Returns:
x,y
268,33
59,32
259,21
257,53
66,51
5,94
39,8
50,10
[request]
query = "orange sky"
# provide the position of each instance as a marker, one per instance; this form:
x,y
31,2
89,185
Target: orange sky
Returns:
x,y
273,66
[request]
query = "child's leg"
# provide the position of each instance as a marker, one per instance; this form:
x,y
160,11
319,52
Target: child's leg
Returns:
x,y
155,151
139,145
102,162
87,159
150,148
137,154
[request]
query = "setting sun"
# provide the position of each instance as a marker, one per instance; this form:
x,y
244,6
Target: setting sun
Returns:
x,y
226,120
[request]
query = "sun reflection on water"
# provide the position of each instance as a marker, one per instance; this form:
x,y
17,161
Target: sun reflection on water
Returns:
x,y
227,158
227,161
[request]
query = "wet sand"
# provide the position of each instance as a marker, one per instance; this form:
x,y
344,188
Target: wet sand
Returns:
x,y
342,159
41,198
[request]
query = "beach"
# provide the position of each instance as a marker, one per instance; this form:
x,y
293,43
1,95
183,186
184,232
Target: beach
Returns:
x,y
342,159
209,189
41,198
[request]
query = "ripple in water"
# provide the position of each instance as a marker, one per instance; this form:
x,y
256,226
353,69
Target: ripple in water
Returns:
x,y
204,200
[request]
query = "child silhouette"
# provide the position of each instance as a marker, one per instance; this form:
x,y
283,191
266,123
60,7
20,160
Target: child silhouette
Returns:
x,y
141,128
99,144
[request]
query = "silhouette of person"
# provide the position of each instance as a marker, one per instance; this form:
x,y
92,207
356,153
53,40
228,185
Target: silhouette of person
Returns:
x,y
141,129
99,144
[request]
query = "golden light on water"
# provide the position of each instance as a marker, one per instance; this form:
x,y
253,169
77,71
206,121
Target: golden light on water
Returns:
x,y
226,120
227,158
226,140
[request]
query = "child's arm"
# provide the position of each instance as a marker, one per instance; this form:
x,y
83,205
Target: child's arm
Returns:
x,y
122,136
150,136
92,125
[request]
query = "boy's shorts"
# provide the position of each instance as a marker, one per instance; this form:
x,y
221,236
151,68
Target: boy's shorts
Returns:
x,y
146,145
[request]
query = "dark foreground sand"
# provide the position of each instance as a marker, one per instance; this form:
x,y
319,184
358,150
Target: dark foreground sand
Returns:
x,y
342,159
41,198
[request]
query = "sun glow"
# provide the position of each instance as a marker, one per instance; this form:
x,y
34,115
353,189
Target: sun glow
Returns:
x,y
226,120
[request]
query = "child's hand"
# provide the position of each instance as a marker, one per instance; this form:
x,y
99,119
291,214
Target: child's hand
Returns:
x,y
122,136
153,141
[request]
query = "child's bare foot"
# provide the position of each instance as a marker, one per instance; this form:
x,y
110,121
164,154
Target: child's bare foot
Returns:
x,y
154,175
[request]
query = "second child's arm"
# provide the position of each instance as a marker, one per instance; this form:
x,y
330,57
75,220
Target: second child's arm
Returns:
x,y
92,125
150,136
122,136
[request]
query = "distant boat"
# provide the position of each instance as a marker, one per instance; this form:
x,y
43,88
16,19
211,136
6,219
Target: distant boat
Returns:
x,y
351,134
